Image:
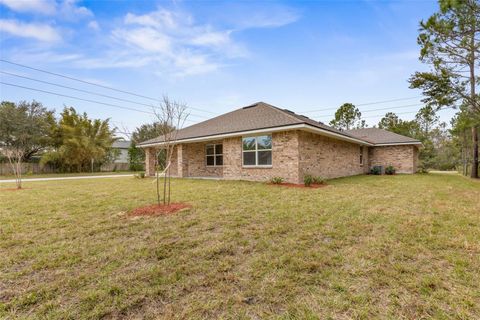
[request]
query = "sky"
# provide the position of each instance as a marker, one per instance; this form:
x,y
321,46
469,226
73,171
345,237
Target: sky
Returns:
x,y
307,56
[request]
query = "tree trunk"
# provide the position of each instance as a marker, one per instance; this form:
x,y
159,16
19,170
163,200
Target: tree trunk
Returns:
x,y
164,188
18,174
474,173
169,178
464,153
157,177
474,104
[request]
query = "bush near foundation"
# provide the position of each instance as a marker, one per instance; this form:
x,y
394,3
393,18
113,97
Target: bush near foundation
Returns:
x,y
390,170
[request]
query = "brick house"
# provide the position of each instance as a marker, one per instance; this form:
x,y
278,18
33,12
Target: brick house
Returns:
x,y
260,141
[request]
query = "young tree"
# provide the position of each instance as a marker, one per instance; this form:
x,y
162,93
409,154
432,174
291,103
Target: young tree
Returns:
x,y
450,43
347,117
172,115
24,131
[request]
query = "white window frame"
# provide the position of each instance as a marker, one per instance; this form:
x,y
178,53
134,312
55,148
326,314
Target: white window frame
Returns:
x,y
256,165
214,155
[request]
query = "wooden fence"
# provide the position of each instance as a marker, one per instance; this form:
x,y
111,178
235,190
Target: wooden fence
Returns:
x,y
36,168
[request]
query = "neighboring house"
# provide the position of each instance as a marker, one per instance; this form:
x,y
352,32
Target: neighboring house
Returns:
x,y
122,147
261,141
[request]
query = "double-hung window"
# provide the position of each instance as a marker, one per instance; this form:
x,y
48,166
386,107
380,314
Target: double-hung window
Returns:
x,y
361,155
257,151
214,155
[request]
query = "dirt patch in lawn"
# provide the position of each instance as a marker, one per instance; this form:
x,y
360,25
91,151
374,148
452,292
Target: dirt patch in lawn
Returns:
x,y
156,210
298,185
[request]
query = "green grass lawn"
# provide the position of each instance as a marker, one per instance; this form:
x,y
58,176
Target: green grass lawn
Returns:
x,y
390,247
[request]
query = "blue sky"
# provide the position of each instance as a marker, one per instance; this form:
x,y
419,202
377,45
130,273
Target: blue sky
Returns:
x,y
215,55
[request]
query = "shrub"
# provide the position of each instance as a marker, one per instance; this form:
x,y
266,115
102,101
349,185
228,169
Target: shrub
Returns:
x,y
308,180
422,168
140,175
276,180
319,180
376,170
390,170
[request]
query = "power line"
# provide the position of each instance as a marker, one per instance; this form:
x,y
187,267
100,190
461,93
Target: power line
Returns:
x,y
77,98
364,104
83,99
378,109
86,91
79,90
406,112
94,84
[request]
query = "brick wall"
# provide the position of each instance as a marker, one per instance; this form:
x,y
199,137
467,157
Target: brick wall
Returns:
x,y
150,161
284,159
402,158
294,154
330,158
195,161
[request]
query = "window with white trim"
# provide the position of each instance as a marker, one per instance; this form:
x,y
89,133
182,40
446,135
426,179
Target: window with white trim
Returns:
x,y
361,155
214,155
257,151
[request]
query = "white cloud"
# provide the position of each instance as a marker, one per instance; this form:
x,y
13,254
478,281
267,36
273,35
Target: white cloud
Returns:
x,y
44,31
251,15
215,38
273,19
146,39
175,38
66,9
38,31
170,42
192,64
69,10
160,19
175,41
38,6
93,25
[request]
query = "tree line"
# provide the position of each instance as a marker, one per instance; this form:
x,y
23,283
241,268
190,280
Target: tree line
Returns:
x,y
70,143
449,43
444,147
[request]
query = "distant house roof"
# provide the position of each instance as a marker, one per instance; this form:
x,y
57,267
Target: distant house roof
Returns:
x,y
121,144
260,116
380,136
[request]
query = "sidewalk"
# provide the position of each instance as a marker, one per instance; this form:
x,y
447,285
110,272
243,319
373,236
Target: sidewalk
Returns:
x,y
69,178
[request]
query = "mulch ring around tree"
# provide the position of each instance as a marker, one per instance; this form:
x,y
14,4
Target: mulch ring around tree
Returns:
x,y
157,210
298,185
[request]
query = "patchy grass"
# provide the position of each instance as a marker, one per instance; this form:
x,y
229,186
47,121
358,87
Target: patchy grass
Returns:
x,y
392,247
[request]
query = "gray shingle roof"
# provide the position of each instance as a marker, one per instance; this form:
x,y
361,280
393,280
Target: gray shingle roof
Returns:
x,y
260,115
380,136
121,144
256,116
